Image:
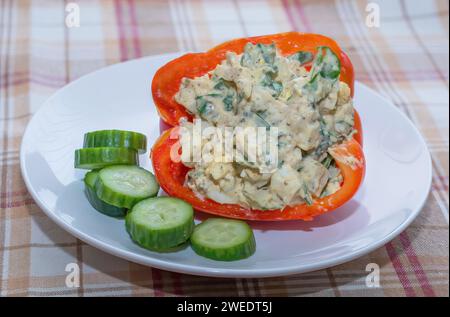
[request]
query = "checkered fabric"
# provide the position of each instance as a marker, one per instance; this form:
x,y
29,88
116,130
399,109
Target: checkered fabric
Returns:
x,y
405,59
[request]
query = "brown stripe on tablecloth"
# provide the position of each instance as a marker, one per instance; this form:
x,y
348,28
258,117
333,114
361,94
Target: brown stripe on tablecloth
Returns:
x,y
333,283
156,27
442,7
419,41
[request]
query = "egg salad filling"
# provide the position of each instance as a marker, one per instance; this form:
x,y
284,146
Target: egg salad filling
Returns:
x,y
312,111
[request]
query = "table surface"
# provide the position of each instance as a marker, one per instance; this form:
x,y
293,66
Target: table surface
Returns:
x,y
405,58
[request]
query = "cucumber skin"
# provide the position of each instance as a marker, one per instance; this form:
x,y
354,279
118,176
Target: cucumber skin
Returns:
x,y
161,240
237,252
105,156
103,207
116,138
97,203
158,240
110,197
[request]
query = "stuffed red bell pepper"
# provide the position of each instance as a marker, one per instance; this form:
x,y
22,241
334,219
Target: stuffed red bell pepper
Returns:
x,y
301,85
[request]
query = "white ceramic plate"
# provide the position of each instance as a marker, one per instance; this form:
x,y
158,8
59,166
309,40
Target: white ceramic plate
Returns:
x,y
397,182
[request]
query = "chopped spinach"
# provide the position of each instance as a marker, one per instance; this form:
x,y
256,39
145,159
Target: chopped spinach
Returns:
x,y
268,52
326,64
327,161
269,82
228,102
307,196
278,87
331,66
203,105
213,95
325,141
253,54
227,92
302,57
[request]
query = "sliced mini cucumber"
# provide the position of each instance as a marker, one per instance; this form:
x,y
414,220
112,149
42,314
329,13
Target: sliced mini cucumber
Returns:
x,y
160,223
125,185
223,239
94,158
89,181
116,138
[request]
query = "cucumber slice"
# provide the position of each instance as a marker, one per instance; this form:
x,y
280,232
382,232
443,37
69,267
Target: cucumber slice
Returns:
x,y
94,158
116,138
160,223
223,239
125,185
89,181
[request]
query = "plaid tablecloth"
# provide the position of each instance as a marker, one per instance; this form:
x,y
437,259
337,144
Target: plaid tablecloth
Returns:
x,y
405,59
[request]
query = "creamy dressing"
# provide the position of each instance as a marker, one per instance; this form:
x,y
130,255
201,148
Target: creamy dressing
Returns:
x,y
261,88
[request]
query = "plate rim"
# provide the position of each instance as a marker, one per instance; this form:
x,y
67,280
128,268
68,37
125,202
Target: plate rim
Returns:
x,y
219,272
